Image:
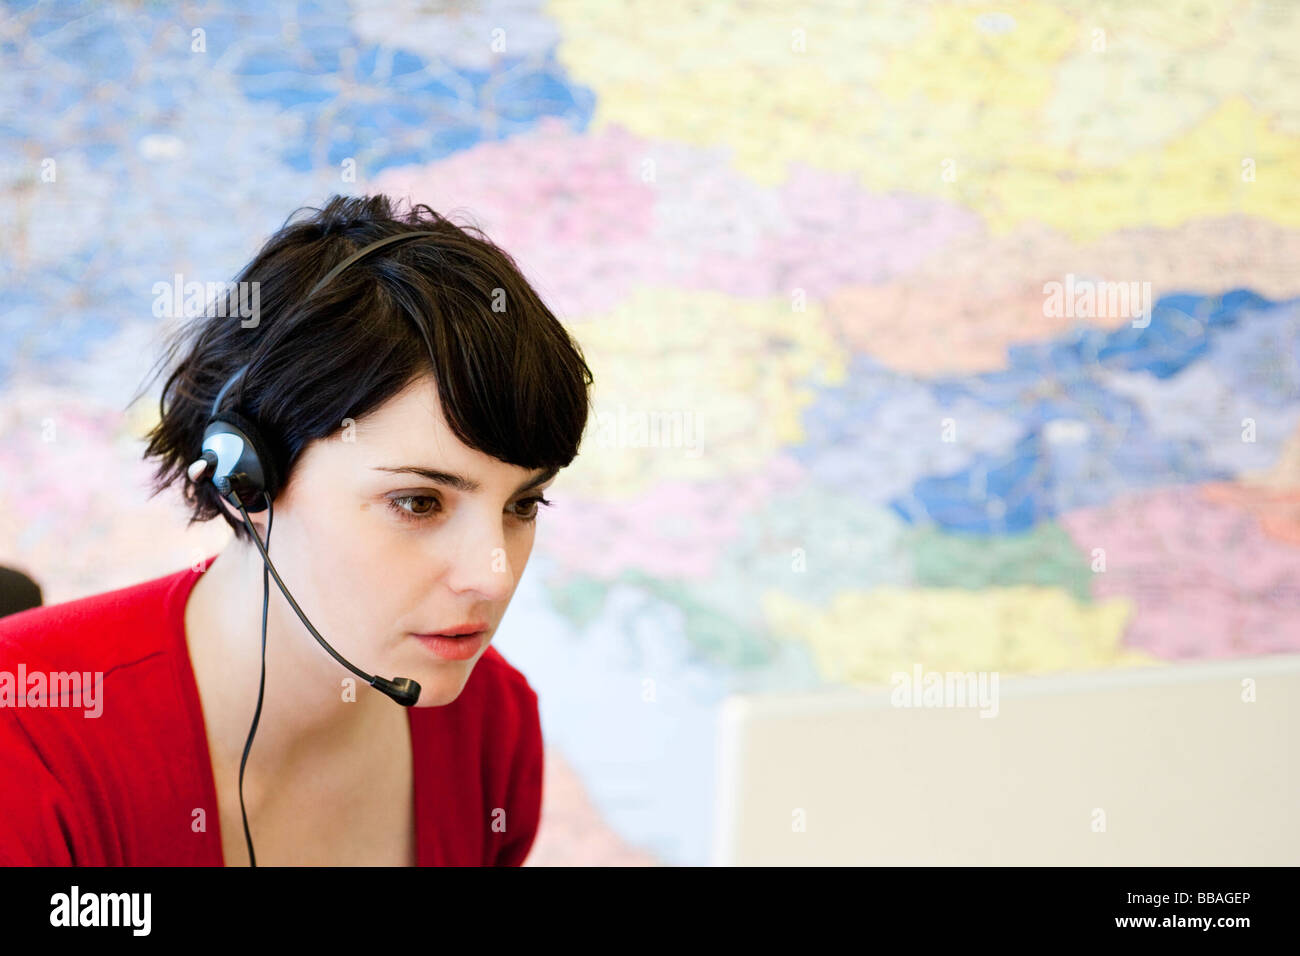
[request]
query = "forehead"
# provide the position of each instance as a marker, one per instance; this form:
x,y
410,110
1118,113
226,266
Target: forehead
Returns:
x,y
415,412
410,430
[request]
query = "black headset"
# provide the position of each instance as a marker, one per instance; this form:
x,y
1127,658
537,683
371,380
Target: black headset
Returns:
x,y
236,459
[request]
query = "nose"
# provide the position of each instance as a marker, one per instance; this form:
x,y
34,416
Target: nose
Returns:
x,y
478,559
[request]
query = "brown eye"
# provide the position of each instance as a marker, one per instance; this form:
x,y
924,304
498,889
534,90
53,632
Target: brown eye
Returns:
x,y
421,506
527,509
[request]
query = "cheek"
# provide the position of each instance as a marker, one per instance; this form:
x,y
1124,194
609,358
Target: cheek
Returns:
x,y
520,549
343,543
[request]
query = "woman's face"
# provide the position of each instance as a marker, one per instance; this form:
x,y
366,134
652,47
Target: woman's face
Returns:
x,y
375,552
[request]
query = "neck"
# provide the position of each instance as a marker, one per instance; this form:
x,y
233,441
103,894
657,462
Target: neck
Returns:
x,y
305,716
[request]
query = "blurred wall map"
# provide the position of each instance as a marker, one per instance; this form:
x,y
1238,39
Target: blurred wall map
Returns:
x,y
942,333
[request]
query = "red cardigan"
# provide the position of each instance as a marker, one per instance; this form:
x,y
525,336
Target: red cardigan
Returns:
x,y
124,788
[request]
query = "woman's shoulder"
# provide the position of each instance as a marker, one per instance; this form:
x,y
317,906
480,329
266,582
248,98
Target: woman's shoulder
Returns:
x,y
101,631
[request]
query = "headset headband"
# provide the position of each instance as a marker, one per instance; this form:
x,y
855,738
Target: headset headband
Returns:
x,y
361,253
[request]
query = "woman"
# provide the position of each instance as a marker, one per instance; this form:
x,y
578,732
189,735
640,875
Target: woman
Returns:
x,y
411,404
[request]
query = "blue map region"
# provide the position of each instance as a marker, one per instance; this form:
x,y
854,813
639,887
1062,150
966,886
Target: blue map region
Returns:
x,y
1258,359
1076,439
1180,332
441,109
1105,443
879,433
221,97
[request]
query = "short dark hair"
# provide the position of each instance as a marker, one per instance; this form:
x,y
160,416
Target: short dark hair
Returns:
x,y
512,382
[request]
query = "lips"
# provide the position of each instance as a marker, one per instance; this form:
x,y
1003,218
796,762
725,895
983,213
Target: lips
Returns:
x,y
460,630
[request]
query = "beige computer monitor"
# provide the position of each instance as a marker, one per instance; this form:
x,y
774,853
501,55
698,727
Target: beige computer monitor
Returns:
x,y
1160,765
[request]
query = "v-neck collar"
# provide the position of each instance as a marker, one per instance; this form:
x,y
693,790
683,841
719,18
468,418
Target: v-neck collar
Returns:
x,y
188,689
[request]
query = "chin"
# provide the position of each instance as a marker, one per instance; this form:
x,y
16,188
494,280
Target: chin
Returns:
x,y
441,680
440,684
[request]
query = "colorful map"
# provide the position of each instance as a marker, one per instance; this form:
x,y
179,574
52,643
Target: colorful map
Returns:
x,y
957,334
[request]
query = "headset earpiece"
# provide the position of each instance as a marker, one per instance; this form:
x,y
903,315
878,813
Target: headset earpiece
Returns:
x,y
243,458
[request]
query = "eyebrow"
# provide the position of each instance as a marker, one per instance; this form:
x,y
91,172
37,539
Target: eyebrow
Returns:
x,y
460,483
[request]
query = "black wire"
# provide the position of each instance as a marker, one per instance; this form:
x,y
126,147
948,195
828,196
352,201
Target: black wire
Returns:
x,y
261,687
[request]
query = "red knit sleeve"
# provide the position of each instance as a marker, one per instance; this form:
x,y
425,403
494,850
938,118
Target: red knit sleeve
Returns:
x,y
36,814
524,796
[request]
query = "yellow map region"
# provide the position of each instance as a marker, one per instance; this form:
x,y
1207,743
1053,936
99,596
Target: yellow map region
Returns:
x,y
863,637
735,373
1179,120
